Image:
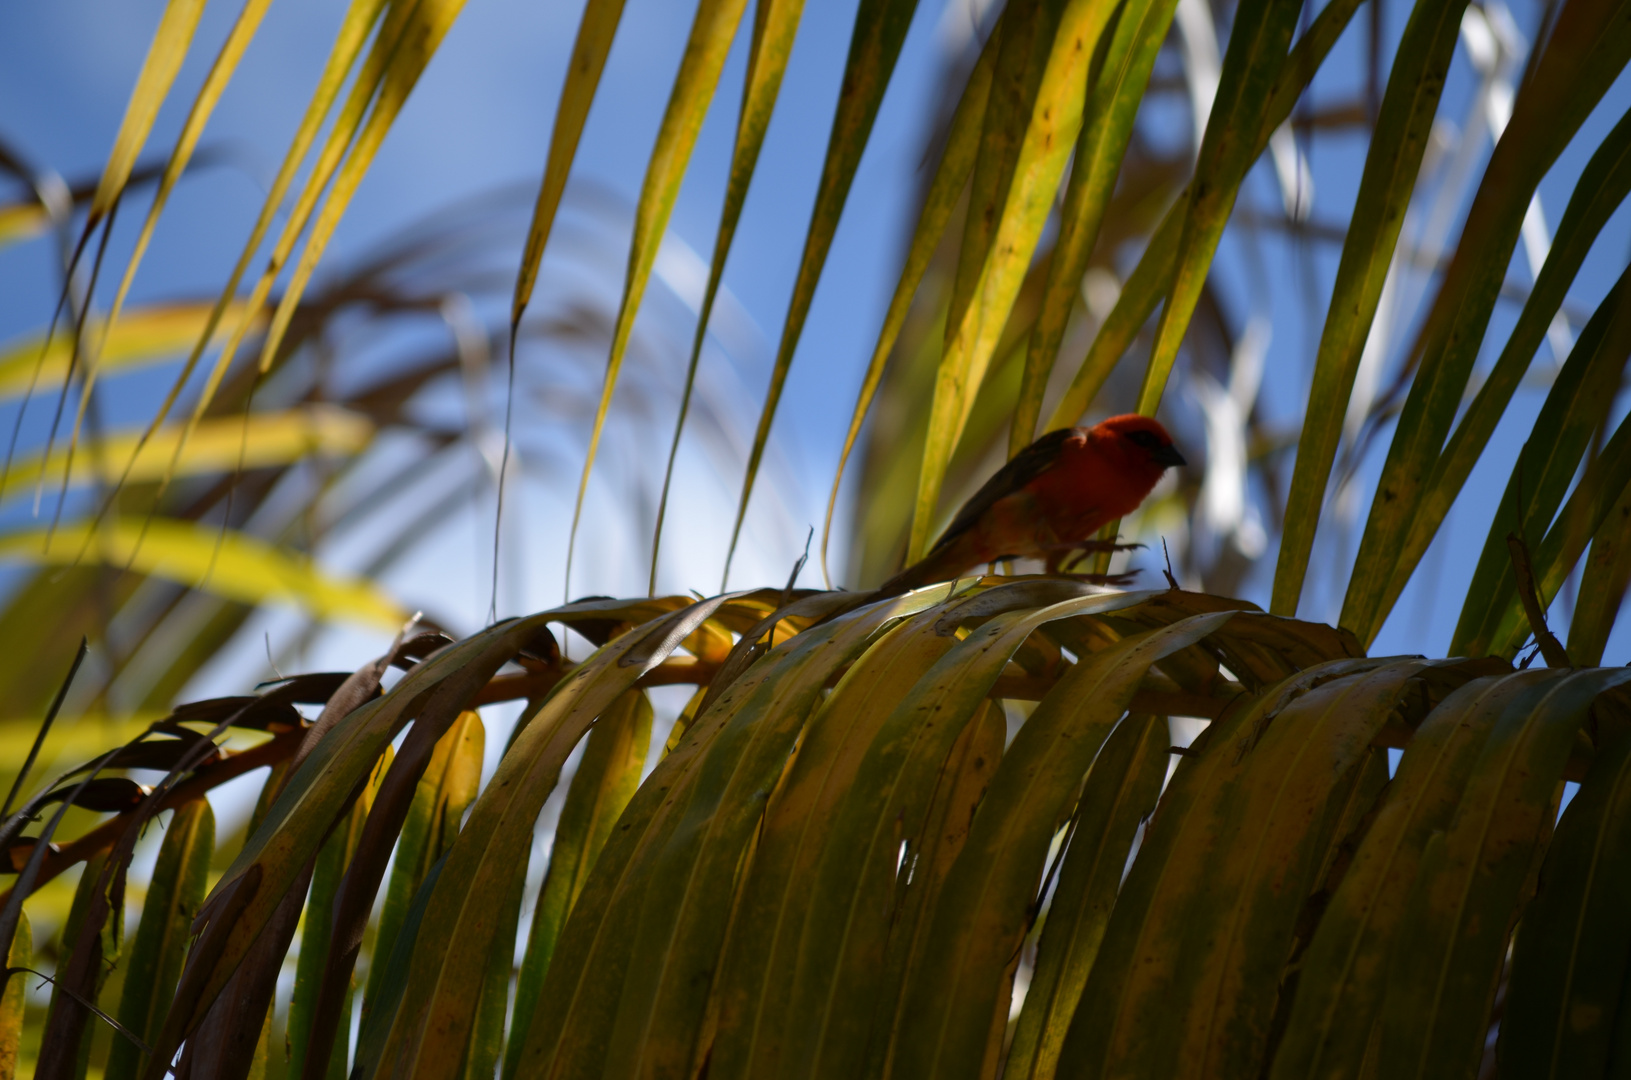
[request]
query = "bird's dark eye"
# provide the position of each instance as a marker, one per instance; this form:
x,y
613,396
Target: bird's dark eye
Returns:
x,y
1149,440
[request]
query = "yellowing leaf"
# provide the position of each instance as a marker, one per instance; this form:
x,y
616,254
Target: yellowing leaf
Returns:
x,y
595,33
404,55
950,178
233,565
1107,127
22,221
1025,199
249,20
79,739
142,338
1152,276
217,446
164,57
354,31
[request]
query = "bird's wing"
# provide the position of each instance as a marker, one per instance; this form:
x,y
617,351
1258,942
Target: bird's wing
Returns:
x,y
1026,466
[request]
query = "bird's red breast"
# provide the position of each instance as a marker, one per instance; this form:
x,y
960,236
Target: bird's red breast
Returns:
x,y
1053,495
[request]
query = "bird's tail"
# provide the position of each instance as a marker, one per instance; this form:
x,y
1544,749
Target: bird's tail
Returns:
x,y
941,564
958,557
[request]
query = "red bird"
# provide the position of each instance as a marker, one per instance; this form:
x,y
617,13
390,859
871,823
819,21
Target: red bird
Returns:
x,y
1050,499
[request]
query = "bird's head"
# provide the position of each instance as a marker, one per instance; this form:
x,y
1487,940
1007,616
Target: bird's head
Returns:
x,y
1139,439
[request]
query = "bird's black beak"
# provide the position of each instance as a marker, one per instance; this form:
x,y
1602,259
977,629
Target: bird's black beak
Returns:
x,y
1167,456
